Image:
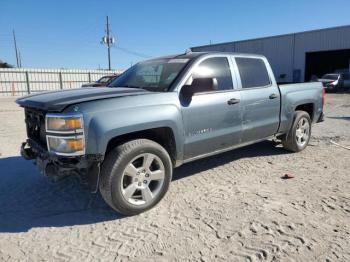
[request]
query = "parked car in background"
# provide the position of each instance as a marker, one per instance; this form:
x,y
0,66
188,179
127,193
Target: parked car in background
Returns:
x,y
103,81
336,81
126,139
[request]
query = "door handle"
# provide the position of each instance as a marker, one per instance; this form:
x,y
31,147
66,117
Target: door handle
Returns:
x,y
233,101
273,96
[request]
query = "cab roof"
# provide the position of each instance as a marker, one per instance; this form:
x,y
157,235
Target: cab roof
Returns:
x,y
191,55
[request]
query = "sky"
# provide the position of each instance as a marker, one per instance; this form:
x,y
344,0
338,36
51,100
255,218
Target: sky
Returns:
x,y
67,34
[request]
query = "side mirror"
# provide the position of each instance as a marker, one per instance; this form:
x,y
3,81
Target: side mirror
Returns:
x,y
200,85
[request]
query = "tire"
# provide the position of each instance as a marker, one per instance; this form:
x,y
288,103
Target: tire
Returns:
x,y
336,89
125,170
331,89
296,140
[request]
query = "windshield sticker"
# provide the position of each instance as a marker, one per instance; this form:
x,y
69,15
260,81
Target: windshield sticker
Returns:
x,y
178,60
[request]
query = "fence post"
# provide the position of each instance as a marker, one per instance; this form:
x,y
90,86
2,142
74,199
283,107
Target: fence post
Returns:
x,y
60,77
13,90
27,80
89,74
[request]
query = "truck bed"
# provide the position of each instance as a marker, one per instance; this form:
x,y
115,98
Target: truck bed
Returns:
x,y
299,93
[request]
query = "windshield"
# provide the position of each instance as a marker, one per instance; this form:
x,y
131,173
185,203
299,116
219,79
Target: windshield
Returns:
x,y
331,77
154,75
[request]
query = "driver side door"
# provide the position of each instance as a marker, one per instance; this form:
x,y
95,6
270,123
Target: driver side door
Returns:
x,y
212,119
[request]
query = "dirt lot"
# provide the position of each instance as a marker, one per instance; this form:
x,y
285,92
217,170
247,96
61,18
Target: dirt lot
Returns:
x,y
232,207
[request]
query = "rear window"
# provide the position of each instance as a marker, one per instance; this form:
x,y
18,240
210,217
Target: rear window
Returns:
x,y
104,79
253,72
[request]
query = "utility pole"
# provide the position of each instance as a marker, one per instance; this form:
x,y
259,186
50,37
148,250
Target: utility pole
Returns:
x,y
19,58
108,41
16,50
108,45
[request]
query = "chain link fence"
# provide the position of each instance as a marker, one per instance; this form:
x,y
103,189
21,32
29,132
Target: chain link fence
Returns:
x,y
21,81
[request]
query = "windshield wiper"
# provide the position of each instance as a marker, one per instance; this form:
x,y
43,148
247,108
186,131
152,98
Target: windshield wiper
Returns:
x,y
128,86
138,87
131,86
148,88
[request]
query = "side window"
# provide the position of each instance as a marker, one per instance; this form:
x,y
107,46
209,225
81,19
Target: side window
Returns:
x,y
253,72
216,67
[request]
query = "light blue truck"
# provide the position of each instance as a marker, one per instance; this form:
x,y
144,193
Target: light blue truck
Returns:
x,y
126,139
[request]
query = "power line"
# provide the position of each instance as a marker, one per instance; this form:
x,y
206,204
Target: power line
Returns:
x,y
132,52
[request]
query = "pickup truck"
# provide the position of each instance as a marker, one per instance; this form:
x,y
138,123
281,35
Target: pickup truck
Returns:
x,y
335,82
125,139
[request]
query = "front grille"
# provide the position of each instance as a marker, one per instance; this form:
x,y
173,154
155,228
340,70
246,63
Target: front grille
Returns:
x,y
35,123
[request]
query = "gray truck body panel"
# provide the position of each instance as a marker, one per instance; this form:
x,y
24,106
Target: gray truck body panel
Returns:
x,y
106,119
293,95
57,101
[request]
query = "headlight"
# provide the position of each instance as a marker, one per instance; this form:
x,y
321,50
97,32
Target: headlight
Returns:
x,y
64,124
65,134
66,145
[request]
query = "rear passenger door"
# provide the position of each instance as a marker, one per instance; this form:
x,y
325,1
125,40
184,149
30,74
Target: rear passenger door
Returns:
x,y
260,98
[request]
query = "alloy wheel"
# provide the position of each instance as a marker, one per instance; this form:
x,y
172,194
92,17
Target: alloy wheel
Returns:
x,y
142,179
302,132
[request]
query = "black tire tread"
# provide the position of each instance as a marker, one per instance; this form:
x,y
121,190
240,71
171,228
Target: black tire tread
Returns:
x,y
112,161
288,141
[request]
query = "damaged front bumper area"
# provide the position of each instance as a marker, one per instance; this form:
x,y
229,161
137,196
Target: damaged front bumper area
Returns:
x,y
87,167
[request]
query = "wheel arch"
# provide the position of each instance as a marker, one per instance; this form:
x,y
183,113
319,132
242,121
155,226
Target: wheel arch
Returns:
x,y
162,135
308,108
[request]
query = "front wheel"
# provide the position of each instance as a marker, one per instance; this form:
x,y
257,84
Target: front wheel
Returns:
x,y
135,176
299,135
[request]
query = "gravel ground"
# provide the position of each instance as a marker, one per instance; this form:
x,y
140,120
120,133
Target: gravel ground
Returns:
x,y
232,207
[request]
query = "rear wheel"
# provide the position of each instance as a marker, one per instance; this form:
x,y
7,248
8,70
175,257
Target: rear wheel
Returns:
x,y
331,89
135,176
299,135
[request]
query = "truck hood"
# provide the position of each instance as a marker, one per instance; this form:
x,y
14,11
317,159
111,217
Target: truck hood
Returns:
x,y
57,101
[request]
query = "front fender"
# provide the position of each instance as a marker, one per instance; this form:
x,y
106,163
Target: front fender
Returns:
x,y
104,126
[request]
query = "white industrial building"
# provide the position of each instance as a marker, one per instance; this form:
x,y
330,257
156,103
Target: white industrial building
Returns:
x,y
300,56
